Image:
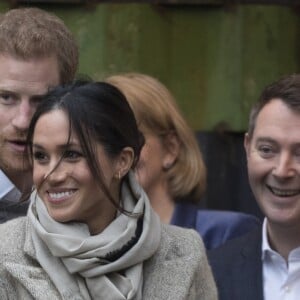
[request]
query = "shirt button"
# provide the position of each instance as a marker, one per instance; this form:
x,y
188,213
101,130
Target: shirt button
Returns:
x,y
287,289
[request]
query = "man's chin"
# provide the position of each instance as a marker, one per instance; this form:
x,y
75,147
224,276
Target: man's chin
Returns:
x,y
16,164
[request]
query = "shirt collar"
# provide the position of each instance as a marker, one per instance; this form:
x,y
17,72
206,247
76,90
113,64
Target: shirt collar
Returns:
x,y
265,242
7,187
266,248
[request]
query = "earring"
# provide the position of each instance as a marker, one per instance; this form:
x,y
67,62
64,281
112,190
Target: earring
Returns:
x,y
167,166
119,175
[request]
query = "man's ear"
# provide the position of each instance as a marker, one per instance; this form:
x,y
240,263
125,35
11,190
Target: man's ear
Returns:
x,y
247,141
171,145
124,162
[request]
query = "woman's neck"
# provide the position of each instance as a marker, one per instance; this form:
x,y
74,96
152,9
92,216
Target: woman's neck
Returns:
x,y
162,203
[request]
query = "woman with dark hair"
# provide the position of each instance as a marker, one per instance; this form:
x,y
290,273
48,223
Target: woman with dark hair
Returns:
x,y
90,232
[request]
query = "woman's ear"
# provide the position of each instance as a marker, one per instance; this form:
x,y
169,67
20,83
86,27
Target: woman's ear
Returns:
x,y
124,162
172,147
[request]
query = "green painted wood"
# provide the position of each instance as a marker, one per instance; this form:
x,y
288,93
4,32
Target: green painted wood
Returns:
x,y
214,59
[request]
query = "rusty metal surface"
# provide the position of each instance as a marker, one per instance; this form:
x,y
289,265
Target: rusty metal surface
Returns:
x,y
214,59
164,2
48,1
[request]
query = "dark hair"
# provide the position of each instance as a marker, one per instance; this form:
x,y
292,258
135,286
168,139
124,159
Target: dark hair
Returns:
x,y
98,113
287,89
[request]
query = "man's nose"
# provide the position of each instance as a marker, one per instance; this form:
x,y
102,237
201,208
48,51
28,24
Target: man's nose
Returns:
x,y
285,166
23,116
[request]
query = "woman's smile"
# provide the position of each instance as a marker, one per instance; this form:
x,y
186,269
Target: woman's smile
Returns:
x,y
58,197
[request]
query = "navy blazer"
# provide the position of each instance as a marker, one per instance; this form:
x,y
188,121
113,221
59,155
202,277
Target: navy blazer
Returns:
x,y
215,227
237,267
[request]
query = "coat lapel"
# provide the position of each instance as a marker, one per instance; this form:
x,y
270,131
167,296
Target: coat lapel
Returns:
x,y
250,269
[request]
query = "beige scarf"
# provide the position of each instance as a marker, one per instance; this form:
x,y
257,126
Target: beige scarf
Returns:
x,y
105,266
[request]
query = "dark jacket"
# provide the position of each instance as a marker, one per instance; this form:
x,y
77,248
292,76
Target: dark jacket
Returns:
x,y
237,267
11,210
215,227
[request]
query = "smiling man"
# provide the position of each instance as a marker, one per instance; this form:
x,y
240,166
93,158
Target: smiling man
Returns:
x,y
265,264
37,52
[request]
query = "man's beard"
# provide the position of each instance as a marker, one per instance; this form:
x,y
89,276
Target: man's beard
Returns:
x,y
12,162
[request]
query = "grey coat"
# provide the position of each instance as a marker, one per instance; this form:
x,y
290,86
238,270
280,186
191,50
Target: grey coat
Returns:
x,y
179,269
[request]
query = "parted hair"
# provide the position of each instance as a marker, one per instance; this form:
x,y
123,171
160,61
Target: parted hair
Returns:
x,y
157,112
28,33
287,89
98,113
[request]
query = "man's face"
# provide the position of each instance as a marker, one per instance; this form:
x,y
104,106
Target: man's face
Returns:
x,y
273,155
22,83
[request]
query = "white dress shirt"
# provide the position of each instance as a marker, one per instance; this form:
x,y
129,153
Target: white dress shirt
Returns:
x,y
281,279
8,190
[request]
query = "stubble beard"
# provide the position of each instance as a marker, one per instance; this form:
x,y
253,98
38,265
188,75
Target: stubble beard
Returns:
x,y
12,164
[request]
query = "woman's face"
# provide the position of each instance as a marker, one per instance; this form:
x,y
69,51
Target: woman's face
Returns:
x,y
69,191
150,168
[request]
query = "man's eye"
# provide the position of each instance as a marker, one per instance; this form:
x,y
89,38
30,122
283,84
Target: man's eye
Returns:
x,y
6,98
266,151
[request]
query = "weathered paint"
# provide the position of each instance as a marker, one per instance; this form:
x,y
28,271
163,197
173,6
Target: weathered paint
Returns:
x,y
215,60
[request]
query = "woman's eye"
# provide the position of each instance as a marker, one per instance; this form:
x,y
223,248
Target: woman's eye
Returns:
x,y
71,154
297,152
39,156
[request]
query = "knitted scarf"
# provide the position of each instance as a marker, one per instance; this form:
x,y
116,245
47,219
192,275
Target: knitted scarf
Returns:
x,y
104,266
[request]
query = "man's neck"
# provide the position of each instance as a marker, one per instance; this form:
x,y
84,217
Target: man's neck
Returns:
x,y
283,239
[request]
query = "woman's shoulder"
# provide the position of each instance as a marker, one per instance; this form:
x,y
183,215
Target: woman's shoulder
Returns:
x,y
13,226
12,235
180,245
179,268
187,240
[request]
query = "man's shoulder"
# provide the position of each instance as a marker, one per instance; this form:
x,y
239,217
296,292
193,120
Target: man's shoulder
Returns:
x,y
245,244
242,253
237,267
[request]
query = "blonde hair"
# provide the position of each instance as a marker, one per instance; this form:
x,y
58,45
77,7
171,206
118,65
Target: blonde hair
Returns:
x,y
157,112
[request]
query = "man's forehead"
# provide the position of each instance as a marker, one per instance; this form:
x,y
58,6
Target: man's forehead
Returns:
x,y
19,88
274,109
35,76
276,119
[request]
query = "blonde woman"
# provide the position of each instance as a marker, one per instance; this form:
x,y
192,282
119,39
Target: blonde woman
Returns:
x,y
171,168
